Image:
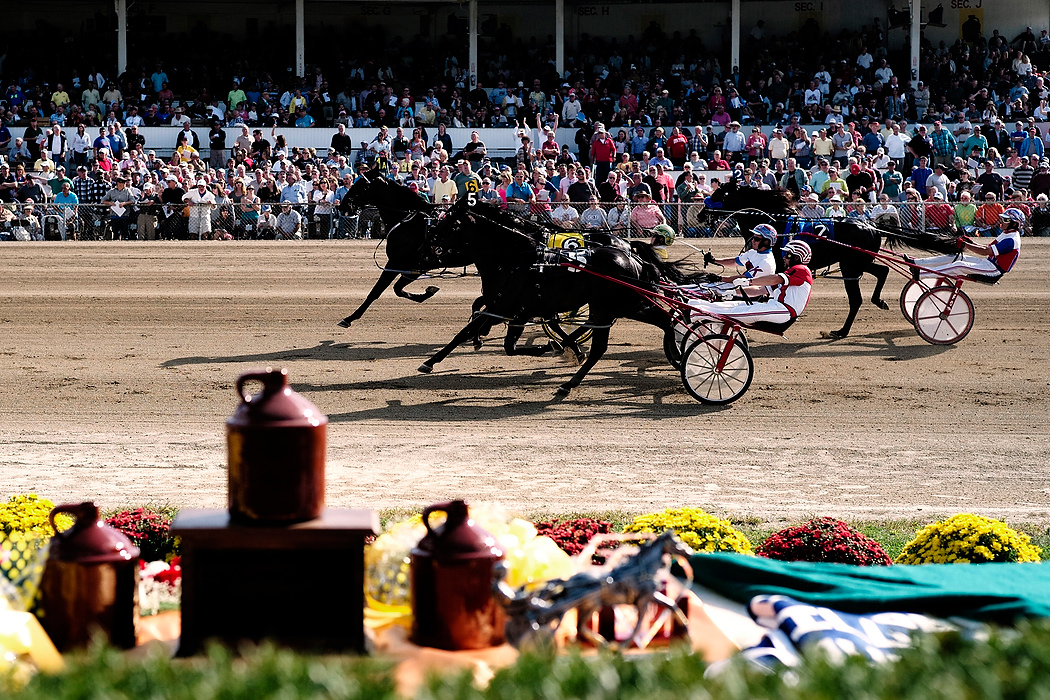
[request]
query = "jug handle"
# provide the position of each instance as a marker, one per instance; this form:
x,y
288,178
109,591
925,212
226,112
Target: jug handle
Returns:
x,y
273,380
84,516
437,507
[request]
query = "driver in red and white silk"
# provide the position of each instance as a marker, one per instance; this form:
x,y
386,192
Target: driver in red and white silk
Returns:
x,y
788,297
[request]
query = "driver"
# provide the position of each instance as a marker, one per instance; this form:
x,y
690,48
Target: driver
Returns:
x,y
999,255
756,260
788,298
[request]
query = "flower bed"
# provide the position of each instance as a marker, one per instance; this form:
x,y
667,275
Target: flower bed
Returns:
x,y
824,539
698,529
148,530
969,539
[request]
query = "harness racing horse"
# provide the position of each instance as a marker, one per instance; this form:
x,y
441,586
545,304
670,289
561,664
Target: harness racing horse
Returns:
x,y
848,243
406,217
522,280
407,256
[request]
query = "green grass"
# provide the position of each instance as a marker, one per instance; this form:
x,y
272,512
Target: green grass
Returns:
x,y
1010,664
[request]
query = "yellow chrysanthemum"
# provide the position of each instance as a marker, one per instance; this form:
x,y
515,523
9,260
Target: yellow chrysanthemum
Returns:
x,y
969,538
696,528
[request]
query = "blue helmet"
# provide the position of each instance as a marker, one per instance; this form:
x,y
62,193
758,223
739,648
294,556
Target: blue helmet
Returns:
x,y
766,233
1014,216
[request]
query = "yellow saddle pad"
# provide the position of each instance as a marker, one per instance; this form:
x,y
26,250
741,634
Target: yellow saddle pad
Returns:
x,y
568,240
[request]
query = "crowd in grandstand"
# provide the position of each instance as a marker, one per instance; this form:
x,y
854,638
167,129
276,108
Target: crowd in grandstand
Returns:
x,y
846,136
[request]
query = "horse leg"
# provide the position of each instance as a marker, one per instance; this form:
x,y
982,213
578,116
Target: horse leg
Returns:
x,y
880,272
485,329
567,340
385,278
407,279
599,344
514,331
469,331
852,284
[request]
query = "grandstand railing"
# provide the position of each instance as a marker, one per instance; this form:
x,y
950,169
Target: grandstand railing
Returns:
x,y
230,221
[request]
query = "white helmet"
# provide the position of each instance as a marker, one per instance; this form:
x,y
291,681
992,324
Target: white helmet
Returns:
x,y
800,249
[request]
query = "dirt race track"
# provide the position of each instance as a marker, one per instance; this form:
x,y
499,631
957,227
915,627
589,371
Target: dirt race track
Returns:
x,y
118,363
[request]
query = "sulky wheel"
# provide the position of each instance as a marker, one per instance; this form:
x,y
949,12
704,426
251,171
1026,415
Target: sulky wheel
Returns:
x,y
570,320
942,320
707,326
913,289
674,339
702,377
671,351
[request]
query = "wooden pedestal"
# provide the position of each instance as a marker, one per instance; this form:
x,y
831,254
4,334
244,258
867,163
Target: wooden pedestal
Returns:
x,y
300,585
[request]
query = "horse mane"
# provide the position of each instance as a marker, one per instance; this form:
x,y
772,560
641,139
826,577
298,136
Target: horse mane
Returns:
x,y
399,197
677,272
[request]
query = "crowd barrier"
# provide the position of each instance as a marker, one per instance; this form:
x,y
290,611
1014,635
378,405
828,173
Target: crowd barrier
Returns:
x,y
230,221
501,142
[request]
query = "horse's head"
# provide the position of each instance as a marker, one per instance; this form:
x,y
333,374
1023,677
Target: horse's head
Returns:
x,y
725,192
393,200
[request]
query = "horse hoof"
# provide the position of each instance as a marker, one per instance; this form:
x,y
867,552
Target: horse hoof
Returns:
x,y
881,304
345,323
425,368
478,345
833,335
562,391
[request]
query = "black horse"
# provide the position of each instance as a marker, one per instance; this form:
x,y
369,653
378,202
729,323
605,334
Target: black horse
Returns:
x,y
407,216
407,255
522,280
848,243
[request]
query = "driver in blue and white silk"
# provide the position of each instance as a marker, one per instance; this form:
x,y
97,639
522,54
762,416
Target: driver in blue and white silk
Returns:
x,y
757,260
1000,254
787,299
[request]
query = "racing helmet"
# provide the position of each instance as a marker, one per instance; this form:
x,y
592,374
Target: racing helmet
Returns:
x,y
800,249
663,234
1014,216
766,233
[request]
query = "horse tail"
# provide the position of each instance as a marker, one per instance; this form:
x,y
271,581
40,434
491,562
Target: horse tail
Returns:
x,y
929,241
660,269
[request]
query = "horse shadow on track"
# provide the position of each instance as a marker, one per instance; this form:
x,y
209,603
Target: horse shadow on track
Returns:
x,y
640,386
326,350
883,345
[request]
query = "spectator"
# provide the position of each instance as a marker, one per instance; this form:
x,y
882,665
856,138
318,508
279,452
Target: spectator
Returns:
x,y
119,200
564,215
920,175
289,224
645,215
734,144
987,217
1041,214
938,184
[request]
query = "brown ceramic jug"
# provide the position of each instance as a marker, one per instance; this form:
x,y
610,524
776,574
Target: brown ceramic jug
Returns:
x,y
276,452
90,582
452,603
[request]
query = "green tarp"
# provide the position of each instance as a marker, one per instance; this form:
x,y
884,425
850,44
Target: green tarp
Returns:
x,y
994,592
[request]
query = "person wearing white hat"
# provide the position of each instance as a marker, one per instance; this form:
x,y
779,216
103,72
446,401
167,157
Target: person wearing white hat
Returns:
x,y
200,202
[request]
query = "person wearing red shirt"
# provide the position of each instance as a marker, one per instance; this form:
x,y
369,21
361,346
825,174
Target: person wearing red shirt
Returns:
x,y
756,145
628,105
603,153
677,147
717,162
939,215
